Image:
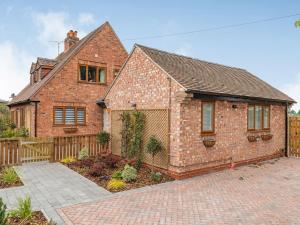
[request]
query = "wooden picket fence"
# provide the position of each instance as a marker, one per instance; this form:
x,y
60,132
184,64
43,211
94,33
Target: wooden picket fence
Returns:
x,y
53,149
294,136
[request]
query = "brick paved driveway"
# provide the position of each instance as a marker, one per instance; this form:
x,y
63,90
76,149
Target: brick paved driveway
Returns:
x,y
268,194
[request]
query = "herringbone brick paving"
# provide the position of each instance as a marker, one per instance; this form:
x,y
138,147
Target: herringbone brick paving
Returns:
x,y
265,194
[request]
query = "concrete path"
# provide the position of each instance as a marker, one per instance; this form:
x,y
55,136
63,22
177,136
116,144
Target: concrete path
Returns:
x,y
268,194
52,186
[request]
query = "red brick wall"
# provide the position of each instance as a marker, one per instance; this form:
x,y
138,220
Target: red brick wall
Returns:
x,y
65,90
145,84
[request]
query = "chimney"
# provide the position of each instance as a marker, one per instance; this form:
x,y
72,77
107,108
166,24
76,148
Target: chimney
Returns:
x,y
70,40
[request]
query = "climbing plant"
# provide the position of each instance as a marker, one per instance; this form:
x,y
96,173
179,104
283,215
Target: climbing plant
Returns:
x,y
125,133
131,134
138,128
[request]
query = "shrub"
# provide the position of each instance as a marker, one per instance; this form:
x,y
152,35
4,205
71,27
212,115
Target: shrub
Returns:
x,y
129,173
153,147
117,174
103,138
8,133
110,161
156,176
3,214
86,163
84,153
22,132
138,164
96,170
24,210
9,176
115,184
68,160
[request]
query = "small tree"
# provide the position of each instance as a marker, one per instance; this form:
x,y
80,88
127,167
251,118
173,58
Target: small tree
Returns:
x,y
103,138
297,23
153,147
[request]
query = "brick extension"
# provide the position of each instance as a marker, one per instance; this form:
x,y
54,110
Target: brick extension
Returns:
x,y
188,155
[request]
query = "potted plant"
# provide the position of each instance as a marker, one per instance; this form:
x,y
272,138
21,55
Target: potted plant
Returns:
x,y
210,142
252,138
266,137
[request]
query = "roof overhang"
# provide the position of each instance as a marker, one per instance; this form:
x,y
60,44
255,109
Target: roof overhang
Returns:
x,y
24,102
236,98
101,103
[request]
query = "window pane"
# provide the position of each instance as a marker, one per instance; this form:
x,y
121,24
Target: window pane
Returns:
x,y
251,117
266,117
70,115
58,116
207,115
258,117
91,74
102,74
80,116
82,72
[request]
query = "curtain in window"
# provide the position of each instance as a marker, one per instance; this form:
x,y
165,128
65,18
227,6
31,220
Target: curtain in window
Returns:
x,y
102,75
207,115
58,116
92,74
70,116
266,118
258,117
251,117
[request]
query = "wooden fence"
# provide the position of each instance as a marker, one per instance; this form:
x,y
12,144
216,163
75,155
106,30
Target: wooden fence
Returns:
x,y
294,136
23,150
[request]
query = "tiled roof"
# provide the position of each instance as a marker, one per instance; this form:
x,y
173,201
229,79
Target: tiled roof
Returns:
x,y
211,78
32,68
46,62
30,90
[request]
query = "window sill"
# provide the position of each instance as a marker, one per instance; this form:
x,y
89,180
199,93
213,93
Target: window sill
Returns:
x,y
69,126
95,83
205,134
258,131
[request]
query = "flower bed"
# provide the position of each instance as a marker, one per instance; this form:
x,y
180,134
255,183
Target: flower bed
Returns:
x,y
106,171
9,178
37,218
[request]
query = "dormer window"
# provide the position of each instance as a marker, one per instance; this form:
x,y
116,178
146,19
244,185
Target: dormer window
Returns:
x,y
92,74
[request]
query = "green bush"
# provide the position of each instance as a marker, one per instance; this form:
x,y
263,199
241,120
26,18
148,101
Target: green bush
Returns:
x,y
129,173
115,184
117,175
84,153
8,133
24,210
22,132
3,214
156,177
9,176
153,147
103,138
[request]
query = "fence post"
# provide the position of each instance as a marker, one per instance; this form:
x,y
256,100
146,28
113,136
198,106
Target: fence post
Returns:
x,y
20,152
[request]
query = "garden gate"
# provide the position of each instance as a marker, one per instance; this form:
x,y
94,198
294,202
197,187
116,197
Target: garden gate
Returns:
x,y
294,136
156,123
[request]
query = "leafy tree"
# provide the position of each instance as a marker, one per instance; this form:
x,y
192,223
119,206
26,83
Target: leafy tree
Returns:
x,y
153,147
297,23
4,118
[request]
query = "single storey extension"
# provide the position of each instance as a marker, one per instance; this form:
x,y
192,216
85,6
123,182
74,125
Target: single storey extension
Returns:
x,y
208,116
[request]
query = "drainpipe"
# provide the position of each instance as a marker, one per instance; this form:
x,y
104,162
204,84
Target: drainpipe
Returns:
x,y
35,119
286,153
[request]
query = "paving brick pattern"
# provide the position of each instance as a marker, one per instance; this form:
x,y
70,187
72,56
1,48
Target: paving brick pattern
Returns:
x,y
268,194
52,186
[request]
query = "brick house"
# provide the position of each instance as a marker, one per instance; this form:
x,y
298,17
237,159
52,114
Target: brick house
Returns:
x,y
218,115
62,93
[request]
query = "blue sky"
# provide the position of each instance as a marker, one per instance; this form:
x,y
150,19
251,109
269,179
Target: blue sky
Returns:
x,y
269,50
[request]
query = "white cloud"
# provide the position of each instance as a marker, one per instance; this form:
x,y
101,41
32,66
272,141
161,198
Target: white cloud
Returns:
x,y
185,49
52,26
293,90
86,19
14,69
